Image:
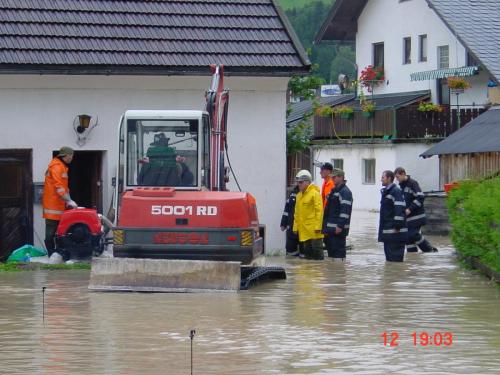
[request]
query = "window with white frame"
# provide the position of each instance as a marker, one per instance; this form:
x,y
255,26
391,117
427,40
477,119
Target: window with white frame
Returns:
x,y
338,163
368,171
443,57
407,50
422,47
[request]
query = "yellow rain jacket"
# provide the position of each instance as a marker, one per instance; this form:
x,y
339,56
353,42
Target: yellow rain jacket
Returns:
x,y
308,216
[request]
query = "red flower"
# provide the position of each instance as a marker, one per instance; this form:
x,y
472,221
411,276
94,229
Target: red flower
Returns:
x,y
371,76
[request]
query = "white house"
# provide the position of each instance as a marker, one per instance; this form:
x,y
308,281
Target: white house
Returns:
x,y
86,58
418,44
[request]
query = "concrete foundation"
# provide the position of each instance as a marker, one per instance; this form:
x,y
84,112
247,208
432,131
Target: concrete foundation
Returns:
x,y
162,275
438,222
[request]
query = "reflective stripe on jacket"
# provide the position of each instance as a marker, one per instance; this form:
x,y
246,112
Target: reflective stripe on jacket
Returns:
x,y
414,199
308,216
392,226
338,210
55,190
288,212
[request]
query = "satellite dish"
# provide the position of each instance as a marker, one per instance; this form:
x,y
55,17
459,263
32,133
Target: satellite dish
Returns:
x,y
343,81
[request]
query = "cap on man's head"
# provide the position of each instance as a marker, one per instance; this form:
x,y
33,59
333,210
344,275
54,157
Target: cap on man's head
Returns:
x,y
65,150
303,175
327,166
338,172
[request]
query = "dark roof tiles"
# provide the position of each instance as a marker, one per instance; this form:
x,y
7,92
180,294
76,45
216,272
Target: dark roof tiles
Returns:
x,y
245,35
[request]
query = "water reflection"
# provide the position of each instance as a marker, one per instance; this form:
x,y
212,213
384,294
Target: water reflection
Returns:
x,y
326,318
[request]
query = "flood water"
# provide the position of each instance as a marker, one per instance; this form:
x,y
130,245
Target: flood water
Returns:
x,y
326,318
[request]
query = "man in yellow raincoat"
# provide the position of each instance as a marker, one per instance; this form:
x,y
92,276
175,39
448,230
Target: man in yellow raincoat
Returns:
x,y
308,217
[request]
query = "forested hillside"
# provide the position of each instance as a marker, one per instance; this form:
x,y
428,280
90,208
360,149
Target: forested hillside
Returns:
x,y
306,17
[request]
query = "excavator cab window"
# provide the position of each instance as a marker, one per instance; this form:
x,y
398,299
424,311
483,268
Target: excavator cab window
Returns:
x,y
162,152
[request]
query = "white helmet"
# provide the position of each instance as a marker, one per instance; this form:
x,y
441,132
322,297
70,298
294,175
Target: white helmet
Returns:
x,y
303,175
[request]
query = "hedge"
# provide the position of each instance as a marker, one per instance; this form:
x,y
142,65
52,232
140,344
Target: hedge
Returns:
x,y
474,208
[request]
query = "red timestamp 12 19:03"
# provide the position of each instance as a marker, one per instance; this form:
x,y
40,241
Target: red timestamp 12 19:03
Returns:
x,y
420,338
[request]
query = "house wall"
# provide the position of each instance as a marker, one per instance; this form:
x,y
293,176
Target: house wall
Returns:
x,y
387,156
411,19
38,112
468,166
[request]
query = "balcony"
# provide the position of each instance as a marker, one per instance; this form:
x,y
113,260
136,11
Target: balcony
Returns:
x,y
394,123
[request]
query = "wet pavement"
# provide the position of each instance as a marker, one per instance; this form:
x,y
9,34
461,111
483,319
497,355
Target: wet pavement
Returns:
x,y
326,318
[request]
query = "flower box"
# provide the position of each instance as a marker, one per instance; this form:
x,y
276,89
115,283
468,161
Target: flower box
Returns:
x,y
346,115
368,114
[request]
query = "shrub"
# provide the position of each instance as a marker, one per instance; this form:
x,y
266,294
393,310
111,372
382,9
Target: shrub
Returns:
x,y
324,111
429,107
458,83
367,106
344,109
475,216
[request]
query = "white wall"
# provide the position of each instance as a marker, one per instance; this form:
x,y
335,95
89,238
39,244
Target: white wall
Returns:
x,y
38,112
389,21
388,156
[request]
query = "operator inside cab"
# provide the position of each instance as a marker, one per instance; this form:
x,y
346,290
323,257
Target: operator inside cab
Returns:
x,y
162,166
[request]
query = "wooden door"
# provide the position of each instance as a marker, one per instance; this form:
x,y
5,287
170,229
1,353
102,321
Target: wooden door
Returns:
x,y
16,200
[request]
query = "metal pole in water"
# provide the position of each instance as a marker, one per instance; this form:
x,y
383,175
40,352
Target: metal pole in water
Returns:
x,y
191,336
43,305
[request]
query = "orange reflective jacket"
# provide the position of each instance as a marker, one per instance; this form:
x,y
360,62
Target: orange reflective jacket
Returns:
x,y
55,190
328,185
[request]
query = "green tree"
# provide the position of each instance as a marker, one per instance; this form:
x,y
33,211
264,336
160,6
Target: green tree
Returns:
x,y
306,21
299,136
343,63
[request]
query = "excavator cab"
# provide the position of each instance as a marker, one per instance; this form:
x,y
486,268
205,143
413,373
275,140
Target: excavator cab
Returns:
x,y
164,148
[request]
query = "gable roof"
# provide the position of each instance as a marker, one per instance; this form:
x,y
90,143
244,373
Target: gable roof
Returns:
x,y
477,25
480,135
147,37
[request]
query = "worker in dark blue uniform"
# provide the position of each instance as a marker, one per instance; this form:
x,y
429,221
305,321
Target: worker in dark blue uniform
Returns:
x,y
392,231
337,216
414,211
292,239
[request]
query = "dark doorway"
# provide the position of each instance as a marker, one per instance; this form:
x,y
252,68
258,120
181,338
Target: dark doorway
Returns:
x,y
16,200
85,179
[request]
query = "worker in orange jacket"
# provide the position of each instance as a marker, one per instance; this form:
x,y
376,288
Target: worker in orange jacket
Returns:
x,y
56,196
328,184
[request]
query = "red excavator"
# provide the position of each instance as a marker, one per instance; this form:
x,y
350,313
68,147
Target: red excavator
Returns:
x,y
171,203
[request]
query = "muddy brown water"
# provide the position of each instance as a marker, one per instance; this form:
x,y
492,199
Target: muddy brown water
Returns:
x,y
326,318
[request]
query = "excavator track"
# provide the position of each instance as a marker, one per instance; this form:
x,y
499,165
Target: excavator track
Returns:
x,y
253,275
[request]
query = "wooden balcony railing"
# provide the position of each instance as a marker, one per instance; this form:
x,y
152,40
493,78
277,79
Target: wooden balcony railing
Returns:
x,y
402,123
411,123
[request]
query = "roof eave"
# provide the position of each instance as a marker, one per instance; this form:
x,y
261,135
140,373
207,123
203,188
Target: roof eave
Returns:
x,y
148,70
353,19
